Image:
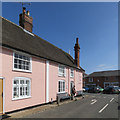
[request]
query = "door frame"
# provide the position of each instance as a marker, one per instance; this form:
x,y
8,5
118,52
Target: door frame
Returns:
x,y
3,93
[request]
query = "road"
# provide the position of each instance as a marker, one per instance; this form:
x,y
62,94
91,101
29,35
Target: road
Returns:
x,y
92,106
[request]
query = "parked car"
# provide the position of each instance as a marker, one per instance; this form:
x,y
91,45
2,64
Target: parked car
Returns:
x,y
85,89
100,89
93,90
111,90
119,89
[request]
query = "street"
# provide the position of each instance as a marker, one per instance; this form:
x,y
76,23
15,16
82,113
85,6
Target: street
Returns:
x,y
92,106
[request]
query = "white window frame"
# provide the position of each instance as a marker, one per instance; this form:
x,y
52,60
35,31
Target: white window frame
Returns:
x,y
25,96
63,89
71,70
61,74
90,79
22,70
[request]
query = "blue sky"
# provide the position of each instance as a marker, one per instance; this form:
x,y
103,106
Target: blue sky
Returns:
x,y
96,25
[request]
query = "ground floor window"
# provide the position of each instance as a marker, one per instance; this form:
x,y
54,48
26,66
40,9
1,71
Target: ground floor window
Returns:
x,y
61,86
21,87
106,84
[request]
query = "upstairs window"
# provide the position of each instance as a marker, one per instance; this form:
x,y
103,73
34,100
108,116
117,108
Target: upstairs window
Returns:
x,y
90,79
62,71
71,72
61,86
21,87
21,62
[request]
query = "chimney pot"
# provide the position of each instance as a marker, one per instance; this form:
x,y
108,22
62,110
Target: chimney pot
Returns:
x,y
28,13
25,20
77,39
24,10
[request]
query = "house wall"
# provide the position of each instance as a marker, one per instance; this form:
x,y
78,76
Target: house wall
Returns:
x,y
78,80
100,81
38,81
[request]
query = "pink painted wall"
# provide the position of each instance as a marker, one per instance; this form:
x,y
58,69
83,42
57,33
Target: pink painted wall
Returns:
x,y
38,77
78,80
37,82
53,77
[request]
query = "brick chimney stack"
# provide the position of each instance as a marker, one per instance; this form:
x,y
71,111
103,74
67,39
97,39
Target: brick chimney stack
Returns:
x,y
25,20
77,51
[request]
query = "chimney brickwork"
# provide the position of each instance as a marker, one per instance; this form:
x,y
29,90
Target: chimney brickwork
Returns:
x,y
77,51
25,20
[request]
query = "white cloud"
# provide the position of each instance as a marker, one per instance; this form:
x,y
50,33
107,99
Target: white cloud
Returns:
x,y
102,67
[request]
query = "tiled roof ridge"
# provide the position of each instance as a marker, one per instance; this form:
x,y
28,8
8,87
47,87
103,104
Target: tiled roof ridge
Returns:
x,y
65,54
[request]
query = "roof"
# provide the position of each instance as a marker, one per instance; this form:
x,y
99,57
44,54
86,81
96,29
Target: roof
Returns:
x,y
105,73
15,37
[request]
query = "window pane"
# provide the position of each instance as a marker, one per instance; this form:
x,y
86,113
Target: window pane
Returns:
x,y
27,82
24,57
27,67
20,66
21,81
24,89
27,91
16,55
15,60
16,81
15,66
59,87
21,61
28,63
24,67
20,56
63,86
20,91
16,92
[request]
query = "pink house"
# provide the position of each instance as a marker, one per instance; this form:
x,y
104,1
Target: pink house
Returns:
x,y
33,70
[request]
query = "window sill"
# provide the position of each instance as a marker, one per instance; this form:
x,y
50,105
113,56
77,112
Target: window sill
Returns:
x,y
61,76
61,92
20,98
19,70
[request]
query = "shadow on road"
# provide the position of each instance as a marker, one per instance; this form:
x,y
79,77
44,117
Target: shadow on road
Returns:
x,y
4,116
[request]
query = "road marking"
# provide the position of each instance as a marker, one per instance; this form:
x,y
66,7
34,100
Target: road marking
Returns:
x,y
103,108
104,97
94,101
111,99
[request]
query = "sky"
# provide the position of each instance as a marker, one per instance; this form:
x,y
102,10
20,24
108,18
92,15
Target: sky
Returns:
x,y
60,23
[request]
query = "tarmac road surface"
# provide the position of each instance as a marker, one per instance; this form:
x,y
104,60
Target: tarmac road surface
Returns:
x,y
93,106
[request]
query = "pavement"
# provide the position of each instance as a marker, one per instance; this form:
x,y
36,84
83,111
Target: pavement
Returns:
x,y
92,106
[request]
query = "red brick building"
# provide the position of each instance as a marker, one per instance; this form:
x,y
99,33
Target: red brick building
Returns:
x,y
103,79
